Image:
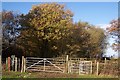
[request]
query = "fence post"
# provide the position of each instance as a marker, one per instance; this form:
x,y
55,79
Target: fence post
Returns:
x,y
68,67
19,67
6,67
15,64
105,63
95,61
22,66
67,64
91,67
97,68
0,65
44,64
8,63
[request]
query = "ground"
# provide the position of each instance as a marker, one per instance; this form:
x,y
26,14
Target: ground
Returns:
x,y
47,75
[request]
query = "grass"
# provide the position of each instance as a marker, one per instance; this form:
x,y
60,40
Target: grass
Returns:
x,y
50,76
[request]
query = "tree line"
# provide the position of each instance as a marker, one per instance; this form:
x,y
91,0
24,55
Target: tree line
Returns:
x,y
48,30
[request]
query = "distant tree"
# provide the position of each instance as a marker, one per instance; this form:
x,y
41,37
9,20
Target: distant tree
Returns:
x,y
85,40
97,42
10,28
76,42
114,30
0,32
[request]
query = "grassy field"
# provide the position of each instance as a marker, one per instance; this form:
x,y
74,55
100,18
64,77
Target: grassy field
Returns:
x,y
49,76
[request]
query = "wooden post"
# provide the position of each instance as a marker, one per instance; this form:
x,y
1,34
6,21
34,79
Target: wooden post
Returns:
x,y
24,64
8,63
44,64
68,67
6,67
91,67
105,63
97,68
15,64
22,68
67,64
95,61
0,65
19,64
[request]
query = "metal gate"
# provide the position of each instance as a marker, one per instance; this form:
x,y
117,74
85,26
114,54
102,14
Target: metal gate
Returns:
x,y
45,64
81,67
85,67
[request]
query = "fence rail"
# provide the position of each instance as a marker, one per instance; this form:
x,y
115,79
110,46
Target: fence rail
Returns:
x,y
45,64
62,64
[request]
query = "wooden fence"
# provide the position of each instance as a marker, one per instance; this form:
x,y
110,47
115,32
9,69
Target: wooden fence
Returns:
x,y
12,64
63,65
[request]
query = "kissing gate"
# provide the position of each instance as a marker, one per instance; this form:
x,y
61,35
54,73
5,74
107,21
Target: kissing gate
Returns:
x,y
60,65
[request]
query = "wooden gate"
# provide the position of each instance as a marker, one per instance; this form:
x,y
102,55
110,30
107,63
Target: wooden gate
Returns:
x,y
80,67
85,67
45,64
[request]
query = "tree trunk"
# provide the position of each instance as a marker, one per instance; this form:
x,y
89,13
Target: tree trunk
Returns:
x,y
45,48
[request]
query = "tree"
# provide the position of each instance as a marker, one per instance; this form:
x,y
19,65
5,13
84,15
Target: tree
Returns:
x,y
76,42
97,42
87,40
46,24
114,30
0,32
10,29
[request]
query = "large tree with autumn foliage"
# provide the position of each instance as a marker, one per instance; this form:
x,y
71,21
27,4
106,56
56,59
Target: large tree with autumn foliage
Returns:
x,y
46,24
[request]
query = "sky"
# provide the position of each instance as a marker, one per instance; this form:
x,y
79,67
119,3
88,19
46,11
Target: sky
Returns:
x,y
92,12
60,0
95,13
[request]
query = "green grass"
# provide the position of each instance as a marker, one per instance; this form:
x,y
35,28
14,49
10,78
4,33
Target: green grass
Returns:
x,y
35,76
14,74
95,76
